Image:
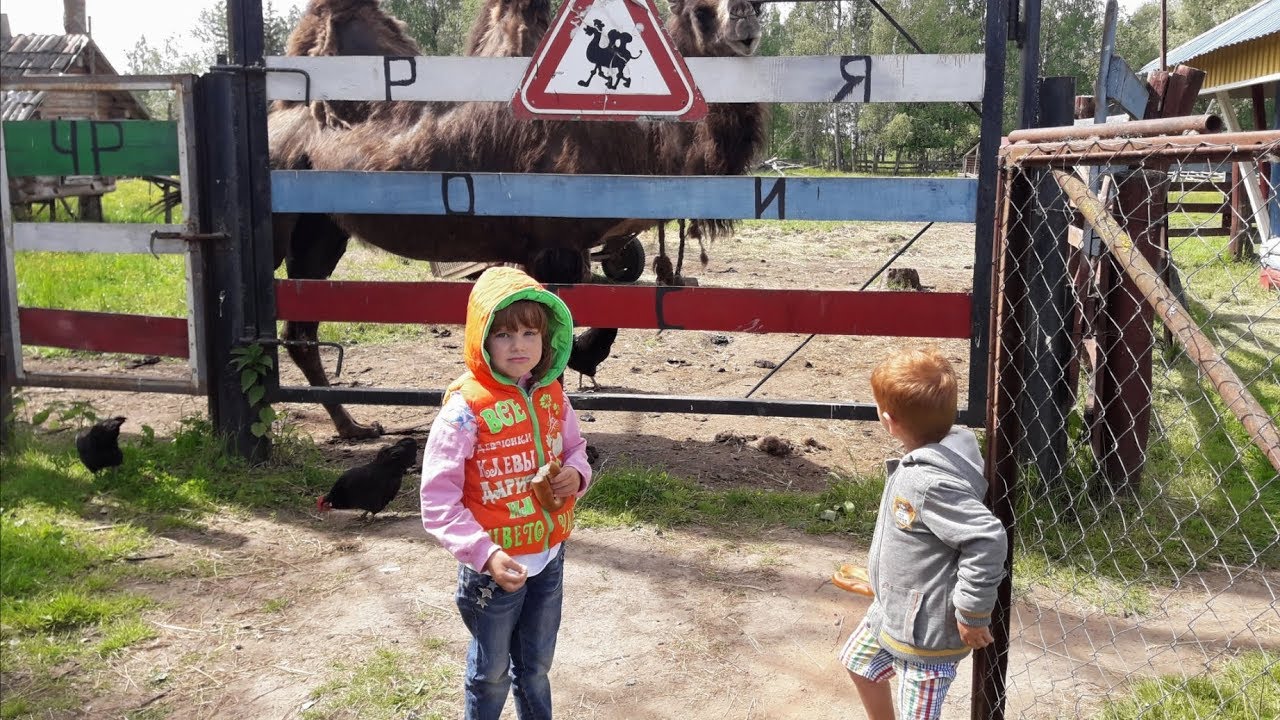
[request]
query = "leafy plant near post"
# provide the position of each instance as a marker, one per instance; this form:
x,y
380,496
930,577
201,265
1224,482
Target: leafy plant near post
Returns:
x,y
59,415
254,363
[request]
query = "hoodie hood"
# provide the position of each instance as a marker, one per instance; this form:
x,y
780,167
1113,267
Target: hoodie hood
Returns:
x,y
497,288
964,443
957,453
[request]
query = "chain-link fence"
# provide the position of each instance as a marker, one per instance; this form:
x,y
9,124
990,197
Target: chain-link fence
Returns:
x,y
1137,376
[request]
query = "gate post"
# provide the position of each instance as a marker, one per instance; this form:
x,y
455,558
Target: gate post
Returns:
x,y
228,323
8,345
985,393
232,102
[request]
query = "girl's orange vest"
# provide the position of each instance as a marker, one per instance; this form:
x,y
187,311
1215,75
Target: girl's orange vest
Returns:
x,y
516,434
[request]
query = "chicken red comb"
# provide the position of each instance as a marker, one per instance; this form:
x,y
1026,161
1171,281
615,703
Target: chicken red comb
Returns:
x,y
320,504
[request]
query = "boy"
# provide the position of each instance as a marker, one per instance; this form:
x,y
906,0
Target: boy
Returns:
x,y
937,555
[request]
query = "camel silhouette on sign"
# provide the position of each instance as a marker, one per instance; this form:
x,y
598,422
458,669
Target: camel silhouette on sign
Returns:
x,y
610,60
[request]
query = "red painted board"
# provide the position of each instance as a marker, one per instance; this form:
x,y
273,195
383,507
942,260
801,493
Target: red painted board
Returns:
x,y
828,312
103,332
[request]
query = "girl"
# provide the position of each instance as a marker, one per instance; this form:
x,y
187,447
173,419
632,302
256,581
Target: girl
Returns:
x,y
505,418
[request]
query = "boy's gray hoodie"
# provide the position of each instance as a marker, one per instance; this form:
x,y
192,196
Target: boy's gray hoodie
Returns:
x,y
938,553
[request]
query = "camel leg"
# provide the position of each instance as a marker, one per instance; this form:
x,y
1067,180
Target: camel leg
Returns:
x,y
680,250
560,266
282,227
662,263
317,246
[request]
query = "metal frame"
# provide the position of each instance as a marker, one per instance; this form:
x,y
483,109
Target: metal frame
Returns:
x,y
134,238
972,413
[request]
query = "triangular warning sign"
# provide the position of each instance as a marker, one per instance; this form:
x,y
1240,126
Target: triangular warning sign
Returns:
x,y
608,60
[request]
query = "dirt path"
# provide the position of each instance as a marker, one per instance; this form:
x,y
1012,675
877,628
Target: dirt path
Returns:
x,y
657,624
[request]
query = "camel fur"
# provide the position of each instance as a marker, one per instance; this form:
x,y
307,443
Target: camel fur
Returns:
x,y
486,137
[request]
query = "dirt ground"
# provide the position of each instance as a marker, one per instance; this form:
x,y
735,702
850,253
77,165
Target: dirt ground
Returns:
x,y
657,624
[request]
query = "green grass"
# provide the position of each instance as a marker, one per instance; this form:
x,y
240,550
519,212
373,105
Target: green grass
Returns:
x,y
420,683
627,496
1208,494
65,535
135,284
132,202
1247,688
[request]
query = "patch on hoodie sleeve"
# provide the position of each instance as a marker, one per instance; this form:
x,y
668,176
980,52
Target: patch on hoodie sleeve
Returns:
x,y
904,513
458,413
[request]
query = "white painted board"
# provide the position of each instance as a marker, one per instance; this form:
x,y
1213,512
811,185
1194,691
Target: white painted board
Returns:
x,y
94,237
802,79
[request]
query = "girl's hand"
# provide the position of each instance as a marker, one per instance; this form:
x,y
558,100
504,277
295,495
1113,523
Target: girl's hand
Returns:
x,y
975,636
567,483
509,574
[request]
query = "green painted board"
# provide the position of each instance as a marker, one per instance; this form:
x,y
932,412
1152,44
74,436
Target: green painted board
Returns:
x,y
91,147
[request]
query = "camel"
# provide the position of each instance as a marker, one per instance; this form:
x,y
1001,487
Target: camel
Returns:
x,y
312,245
485,137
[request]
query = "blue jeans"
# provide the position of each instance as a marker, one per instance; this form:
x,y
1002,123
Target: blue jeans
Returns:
x,y
513,639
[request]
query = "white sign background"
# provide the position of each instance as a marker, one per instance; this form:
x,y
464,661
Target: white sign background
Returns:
x,y
643,71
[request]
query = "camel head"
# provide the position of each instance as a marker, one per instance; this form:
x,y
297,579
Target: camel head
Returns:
x,y
508,28
347,27
715,28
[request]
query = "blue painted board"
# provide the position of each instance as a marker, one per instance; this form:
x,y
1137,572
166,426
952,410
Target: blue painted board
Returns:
x,y
618,196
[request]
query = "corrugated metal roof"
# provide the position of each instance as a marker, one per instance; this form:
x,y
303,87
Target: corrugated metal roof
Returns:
x,y
1258,21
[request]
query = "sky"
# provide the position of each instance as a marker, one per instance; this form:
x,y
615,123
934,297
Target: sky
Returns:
x,y
118,24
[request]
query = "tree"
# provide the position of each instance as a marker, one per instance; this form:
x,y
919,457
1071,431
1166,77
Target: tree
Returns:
x,y
177,55
1138,35
1186,20
921,129
439,26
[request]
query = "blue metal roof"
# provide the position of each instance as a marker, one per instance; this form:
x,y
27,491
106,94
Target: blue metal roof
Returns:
x,y
1258,21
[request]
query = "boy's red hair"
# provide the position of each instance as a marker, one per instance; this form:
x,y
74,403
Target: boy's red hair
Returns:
x,y
530,314
918,390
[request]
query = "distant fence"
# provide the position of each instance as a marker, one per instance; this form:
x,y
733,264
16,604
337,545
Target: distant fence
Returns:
x,y
901,166
1204,217
1134,451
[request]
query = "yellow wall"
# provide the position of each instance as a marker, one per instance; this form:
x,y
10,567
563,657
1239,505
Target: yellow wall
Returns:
x,y
1257,58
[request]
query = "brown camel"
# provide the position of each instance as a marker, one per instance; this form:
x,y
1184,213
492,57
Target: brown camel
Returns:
x,y
486,137
312,245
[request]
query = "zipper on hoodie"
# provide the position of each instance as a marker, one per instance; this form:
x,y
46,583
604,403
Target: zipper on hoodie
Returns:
x,y
541,455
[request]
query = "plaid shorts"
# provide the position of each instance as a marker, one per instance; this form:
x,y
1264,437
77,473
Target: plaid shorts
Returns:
x,y
921,688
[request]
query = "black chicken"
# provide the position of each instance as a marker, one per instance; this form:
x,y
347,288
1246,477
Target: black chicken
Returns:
x,y
589,350
370,487
99,446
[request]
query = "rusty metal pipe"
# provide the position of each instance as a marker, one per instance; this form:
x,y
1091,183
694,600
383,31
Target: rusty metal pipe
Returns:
x,y
1176,318
1138,128
1219,146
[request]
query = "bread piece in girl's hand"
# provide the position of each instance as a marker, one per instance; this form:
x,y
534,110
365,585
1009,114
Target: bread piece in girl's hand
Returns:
x,y
542,487
854,579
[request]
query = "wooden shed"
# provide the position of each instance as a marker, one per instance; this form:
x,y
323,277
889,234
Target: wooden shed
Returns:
x,y
72,53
